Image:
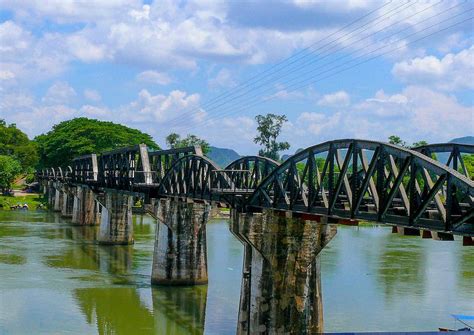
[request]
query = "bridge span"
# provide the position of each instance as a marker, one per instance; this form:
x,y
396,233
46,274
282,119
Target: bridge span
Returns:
x,y
284,214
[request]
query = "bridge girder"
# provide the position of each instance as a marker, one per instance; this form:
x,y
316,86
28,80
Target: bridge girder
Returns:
x,y
350,179
390,184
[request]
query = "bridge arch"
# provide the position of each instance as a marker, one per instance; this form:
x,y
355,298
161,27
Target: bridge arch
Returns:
x,y
195,177
450,154
249,171
369,180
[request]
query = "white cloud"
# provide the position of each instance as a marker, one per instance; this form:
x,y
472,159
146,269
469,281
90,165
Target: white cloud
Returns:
x,y
336,99
453,71
59,93
154,77
316,123
223,79
6,75
92,95
94,111
416,113
85,50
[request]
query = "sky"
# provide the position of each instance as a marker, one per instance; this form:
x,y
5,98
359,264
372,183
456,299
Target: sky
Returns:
x,y
336,69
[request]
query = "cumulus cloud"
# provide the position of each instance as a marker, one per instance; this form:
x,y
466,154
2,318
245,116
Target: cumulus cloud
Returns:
x,y
59,93
154,77
223,79
92,95
451,72
94,111
84,49
415,113
316,123
336,99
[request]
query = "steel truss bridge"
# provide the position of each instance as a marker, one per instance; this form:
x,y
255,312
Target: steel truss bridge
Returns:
x,y
426,188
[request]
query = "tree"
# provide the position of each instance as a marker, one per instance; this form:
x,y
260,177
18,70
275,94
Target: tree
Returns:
x,y
173,140
83,136
269,128
393,139
419,144
9,169
398,141
15,143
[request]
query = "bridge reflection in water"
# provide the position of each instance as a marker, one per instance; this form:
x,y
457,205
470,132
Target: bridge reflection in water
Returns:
x,y
357,270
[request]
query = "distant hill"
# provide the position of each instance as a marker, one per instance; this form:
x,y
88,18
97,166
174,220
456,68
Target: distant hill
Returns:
x,y
285,157
222,156
463,140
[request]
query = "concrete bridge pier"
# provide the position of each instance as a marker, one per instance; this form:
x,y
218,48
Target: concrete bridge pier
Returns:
x,y
51,193
58,198
67,203
180,256
116,219
281,282
85,210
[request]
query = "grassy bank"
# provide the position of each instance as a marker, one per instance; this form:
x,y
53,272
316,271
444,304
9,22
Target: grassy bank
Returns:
x,y
33,201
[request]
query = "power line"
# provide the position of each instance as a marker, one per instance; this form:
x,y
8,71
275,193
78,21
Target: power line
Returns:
x,y
314,61
266,73
305,82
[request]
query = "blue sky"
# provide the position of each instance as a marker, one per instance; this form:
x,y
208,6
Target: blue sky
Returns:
x,y
337,69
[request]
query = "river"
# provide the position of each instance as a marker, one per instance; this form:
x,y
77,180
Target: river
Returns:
x,y
55,279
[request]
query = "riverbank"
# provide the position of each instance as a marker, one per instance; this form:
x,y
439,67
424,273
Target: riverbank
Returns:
x,y
33,200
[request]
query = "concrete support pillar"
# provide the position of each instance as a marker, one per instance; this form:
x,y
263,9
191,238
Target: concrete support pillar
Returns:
x,y
85,209
116,219
281,284
51,191
67,203
77,212
180,256
58,199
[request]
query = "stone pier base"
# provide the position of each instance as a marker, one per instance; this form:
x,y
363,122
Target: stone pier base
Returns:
x,y
85,212
116,219
58,199
180,256
281,284
51,192
67,203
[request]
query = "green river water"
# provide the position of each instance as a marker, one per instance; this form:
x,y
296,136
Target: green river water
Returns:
x,y
55,280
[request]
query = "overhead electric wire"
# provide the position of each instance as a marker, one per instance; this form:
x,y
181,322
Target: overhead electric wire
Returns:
x,y
319,59
251,81
305,82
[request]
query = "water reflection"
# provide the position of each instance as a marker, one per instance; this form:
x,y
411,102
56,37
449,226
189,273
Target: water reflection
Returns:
x,y
401,283
466,271
115,310
180,311
401,266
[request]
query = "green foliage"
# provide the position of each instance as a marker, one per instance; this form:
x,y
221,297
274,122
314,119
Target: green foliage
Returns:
x,y
469,163
83,136
419,144
33,201
269,128
15,143
9,169
173,140
393,139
